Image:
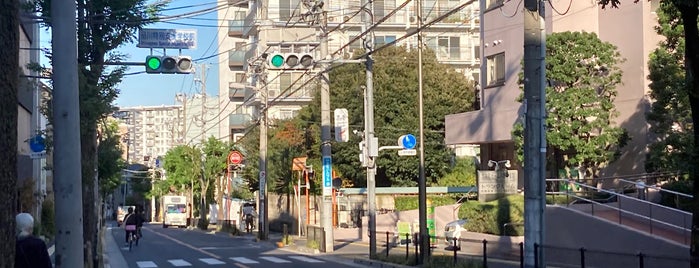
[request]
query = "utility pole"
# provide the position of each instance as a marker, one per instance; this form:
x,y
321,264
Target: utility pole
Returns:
x,y
202,80
422,184
534,134
67,173
326,148
369,140
262,216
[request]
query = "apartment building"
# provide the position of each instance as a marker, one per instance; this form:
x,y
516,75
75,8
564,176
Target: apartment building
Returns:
x,y
150,131
31,173
260,27
630,28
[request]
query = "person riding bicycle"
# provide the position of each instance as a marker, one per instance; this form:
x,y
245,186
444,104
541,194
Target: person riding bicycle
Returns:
x,y
132,221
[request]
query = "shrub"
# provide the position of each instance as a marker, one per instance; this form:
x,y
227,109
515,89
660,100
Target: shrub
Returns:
x,y
490,217
203,224
312,244
48,219
673,200
404,203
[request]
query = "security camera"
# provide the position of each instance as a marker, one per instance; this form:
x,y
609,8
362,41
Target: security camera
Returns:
x,y
507,164
492,163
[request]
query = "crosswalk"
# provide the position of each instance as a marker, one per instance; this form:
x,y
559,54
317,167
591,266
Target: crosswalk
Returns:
x,y
242,260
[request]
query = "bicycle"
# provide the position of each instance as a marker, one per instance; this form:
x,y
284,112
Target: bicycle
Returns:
x,y
133,236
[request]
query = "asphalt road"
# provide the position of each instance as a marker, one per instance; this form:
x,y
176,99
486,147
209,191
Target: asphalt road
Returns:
x,y
175,247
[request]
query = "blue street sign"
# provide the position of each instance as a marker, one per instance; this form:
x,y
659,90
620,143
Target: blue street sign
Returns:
x,y
408,141
327,172
36,144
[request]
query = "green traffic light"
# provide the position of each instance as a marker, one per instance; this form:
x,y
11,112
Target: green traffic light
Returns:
x,y
153,63
277,61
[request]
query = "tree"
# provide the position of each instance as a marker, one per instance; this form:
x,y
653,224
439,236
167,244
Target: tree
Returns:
x,y
583,74
215,167
670,114
9,82
109,157
689,13
396,113
103,26
182,166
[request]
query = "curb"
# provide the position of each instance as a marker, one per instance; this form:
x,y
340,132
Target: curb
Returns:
x,y
373,263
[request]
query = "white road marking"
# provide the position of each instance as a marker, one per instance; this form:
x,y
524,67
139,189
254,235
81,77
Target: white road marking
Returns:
x,y
146,264
244,260
211,261
275,259
179,262
305,259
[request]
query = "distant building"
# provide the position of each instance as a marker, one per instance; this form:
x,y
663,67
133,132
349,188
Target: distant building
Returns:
x,y
150,131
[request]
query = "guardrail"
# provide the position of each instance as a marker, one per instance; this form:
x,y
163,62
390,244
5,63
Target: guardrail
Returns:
x,y
635,209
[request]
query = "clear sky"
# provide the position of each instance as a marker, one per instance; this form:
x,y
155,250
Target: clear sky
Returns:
x,y
143,89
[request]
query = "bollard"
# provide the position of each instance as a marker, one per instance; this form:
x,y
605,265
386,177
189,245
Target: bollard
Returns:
x,y
429,245
407,246
417,243
521,254
536,255
485,253
388,246
582,257
640,259
454,247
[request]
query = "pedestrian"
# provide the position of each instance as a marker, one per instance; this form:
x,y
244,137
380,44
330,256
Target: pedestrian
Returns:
x,y
30,251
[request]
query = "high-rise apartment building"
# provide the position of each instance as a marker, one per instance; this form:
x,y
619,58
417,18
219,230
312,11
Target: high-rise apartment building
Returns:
x,y
262,27
630,28
150,131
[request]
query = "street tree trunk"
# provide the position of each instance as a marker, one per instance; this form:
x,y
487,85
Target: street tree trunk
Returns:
x,y
9,81
88,143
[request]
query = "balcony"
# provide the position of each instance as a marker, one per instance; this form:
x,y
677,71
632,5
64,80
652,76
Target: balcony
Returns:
x,y
235,28
239,121
236,91
236,59
238,3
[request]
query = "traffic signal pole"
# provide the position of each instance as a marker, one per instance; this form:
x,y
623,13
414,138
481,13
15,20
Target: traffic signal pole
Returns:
x,y
369,138
422,184
534,134
67,182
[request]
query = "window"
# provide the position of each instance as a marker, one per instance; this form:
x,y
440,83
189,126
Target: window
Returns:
x,y
446,47
356,44
382,8
495,70
381,40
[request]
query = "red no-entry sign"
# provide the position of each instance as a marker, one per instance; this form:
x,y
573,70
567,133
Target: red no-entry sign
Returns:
x,y
235,158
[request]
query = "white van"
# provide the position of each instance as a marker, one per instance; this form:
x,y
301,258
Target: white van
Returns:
x,y
174,211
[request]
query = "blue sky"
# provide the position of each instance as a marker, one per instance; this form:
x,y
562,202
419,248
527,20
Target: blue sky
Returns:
x,y
160,89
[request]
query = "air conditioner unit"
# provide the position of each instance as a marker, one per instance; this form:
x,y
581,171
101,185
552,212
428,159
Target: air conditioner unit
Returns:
x,y
272,93
331,19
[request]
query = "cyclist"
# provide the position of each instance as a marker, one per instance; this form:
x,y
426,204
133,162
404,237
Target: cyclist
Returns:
x,y
131,222
249,212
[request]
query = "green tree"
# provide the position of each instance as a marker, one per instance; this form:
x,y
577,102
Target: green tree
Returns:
x,y
463,173
396,113
109,157
670,114
215,167
688,16
103,26
182,166
9,83
583,73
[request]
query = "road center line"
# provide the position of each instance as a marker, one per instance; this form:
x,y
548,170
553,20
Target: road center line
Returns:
x,y
184,244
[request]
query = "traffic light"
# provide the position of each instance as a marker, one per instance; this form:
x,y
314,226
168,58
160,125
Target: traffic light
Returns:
x,y
169,64
290,61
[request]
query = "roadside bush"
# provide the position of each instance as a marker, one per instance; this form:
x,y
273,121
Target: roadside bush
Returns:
x,y
404,203
203,224
673,200
490,217
48,219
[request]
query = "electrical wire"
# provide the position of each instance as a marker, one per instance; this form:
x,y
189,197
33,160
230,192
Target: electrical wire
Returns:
x,y
513,14
570,3
213,40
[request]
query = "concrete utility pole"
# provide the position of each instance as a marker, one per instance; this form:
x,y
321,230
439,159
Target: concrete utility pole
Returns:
x,y
369,139
422,184
67,182
534,133
263,225
326,138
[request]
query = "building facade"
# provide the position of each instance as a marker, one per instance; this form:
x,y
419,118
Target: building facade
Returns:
x,y
263,27
629,28
150,131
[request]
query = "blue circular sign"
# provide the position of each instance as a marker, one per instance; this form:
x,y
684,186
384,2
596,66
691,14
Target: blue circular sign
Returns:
x,y
36,144
408,141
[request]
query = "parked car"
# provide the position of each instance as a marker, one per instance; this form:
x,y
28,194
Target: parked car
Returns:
x,y
453,231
